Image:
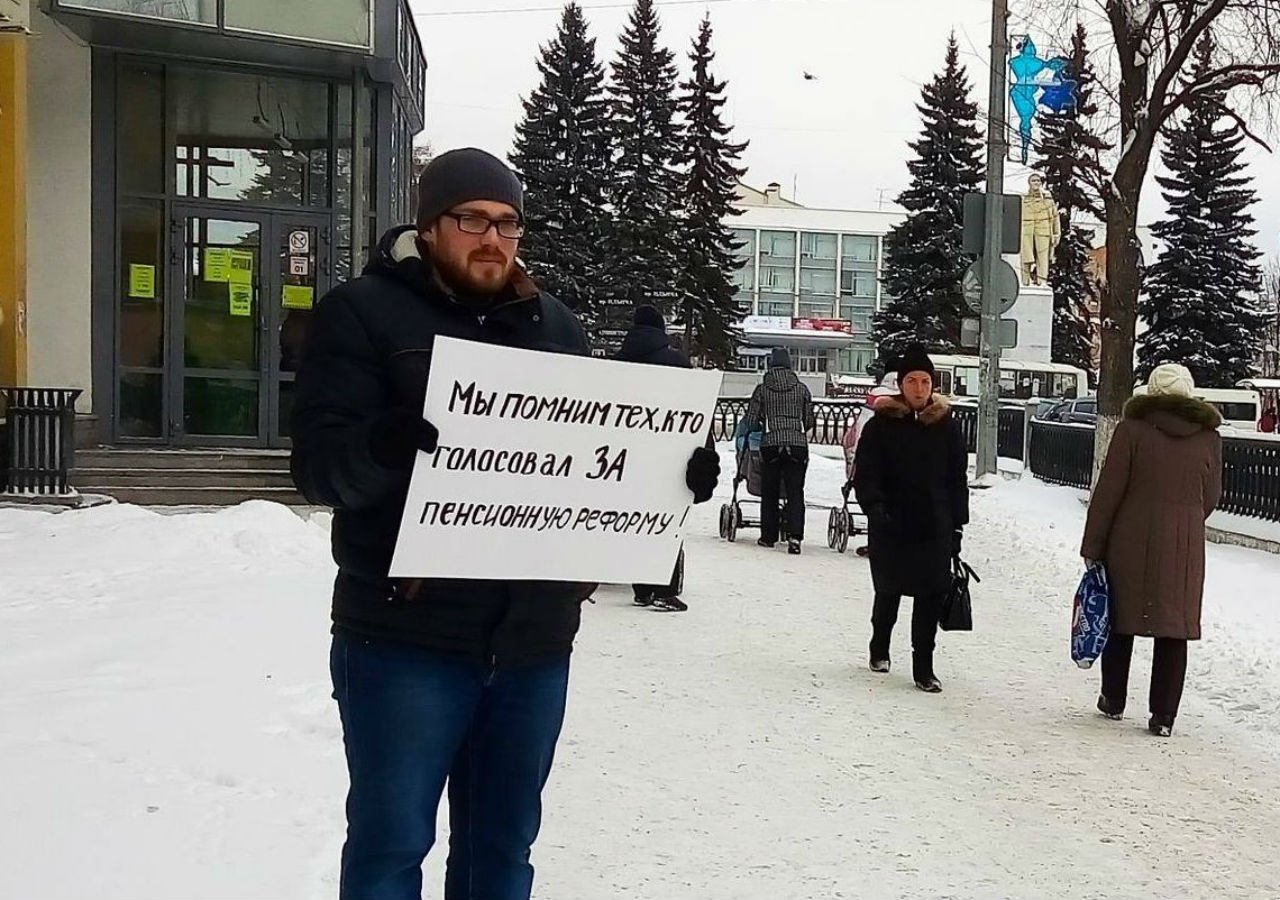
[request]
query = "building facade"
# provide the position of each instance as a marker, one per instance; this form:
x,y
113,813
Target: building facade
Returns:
x,y
810,281
198,173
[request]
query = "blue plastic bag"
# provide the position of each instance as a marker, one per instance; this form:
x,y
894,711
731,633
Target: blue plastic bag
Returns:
x,y
1091,622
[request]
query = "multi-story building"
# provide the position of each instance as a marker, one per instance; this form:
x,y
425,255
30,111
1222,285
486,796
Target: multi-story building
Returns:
x,y
810,281
181,180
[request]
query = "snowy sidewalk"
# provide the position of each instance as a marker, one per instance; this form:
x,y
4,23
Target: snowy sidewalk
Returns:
x,y
167,730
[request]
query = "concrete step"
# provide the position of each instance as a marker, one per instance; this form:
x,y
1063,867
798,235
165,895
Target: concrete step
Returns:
x,y
174,478
193,496
258,460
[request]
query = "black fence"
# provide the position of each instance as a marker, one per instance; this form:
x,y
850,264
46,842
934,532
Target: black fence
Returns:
x,y
833,418
1251,477
1012,429
39,440
1062,454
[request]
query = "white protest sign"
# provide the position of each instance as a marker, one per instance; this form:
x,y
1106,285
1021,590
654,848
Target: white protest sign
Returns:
x,y
552,467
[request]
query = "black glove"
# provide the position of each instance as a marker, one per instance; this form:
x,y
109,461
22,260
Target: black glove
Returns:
x,y
396,436
702,474
956,540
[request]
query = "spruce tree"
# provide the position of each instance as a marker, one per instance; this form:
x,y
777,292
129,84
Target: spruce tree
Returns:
x,y
644,183
1072,163
561,152
708,309
924,262
1200,305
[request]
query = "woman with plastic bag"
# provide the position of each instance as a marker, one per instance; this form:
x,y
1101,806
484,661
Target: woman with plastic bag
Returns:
x,y
1161,480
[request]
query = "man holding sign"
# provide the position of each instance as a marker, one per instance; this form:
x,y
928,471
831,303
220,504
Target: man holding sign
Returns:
x,y
437,679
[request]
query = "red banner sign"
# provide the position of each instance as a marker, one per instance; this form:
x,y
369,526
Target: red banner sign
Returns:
x,y
841,325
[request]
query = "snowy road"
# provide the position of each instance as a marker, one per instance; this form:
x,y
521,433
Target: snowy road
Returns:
x,y
166,729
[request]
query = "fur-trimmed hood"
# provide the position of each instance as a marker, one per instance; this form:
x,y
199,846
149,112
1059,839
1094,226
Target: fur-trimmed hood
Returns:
x,y
894,407
1175,416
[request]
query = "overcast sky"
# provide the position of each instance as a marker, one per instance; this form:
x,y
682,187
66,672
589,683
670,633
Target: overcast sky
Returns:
x,y
840,140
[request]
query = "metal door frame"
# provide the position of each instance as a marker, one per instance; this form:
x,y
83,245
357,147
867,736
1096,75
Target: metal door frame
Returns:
x,y
177,372
274,313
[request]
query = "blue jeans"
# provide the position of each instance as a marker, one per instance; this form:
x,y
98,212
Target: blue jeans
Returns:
x,y
412,719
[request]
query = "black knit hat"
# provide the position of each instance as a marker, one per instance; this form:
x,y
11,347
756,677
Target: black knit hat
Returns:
x,y
649,315
779,358
914,359
463,176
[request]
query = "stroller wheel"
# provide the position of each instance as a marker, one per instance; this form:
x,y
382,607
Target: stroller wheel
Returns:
x,y
831,528
731,524
725,513
842,531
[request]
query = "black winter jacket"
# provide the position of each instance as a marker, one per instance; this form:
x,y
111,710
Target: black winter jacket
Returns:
x,y
650,344
911,479
369,350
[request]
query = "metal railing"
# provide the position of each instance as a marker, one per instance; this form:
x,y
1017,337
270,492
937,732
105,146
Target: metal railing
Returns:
x,y
1062,453
832,419
39,440
1012,431
1251,477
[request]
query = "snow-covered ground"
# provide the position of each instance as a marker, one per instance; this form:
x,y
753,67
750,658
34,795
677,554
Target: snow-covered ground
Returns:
x,y
166,728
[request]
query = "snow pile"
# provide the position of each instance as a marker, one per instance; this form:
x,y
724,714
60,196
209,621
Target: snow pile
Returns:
x,y
168,731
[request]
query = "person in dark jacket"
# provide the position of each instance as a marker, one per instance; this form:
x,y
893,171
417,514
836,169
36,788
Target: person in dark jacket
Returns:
x,y
783,407
436,680
911,480
1161,480
648,342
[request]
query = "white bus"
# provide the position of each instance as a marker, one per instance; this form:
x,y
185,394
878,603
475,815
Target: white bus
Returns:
x,y
1241,408
1019,380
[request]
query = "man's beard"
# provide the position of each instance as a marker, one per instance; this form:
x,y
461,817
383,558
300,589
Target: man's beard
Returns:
x,y
462,282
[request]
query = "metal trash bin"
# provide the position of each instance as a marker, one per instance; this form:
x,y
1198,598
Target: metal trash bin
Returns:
x,y
40,440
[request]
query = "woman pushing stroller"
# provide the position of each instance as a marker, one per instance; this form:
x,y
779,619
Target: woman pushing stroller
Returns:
x,y
782,408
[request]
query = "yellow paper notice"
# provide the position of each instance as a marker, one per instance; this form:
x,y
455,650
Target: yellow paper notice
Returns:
x,y
241,267
241,299
299,296
217,264
142,282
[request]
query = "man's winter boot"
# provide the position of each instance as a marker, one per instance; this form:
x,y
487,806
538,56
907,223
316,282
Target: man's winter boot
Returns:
x,y
644,600
880,666
669,604
766,543
1161,726
793,547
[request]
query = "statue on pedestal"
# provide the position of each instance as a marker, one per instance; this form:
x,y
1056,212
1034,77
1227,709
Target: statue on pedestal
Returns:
x,y
1041,232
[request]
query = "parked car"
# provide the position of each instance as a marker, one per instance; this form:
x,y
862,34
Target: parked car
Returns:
x,y
1083,411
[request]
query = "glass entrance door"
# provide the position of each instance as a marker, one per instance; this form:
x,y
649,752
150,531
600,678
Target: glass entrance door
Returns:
x,y
249,283
219,329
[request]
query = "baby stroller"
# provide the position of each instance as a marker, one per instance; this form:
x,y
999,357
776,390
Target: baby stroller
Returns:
x,y
747,449
846,519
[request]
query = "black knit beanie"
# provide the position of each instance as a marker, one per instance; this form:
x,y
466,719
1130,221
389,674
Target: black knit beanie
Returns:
x,y
649,315
914,359
779,358
463,176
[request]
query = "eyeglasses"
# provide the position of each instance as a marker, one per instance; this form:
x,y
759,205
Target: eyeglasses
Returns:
x,y
470,223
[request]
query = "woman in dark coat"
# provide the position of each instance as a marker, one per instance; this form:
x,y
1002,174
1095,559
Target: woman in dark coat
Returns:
x,y
648,342
1161,480
911,480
